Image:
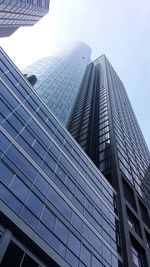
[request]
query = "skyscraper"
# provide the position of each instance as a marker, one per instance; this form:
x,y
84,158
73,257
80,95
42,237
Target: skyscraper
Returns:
x,y
104,124
56,207
14,14
59,79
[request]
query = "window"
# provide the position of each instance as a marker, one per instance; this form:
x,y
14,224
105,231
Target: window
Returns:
x,y
29,218
41,184
133,222
76,222
19,189
74,244
34,204
137,258
85,255
147,238
16,255
1,232
72,259
10,200
6,173
129,194
144,213
106,254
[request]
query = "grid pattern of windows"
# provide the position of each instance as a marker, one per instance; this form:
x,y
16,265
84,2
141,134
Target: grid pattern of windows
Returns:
x,y
59,79
62,197
80,122
88,122
21,13
113,140
103,125
132,151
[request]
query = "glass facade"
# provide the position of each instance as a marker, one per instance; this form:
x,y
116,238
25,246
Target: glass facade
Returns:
x,y
59,79
132,151
21,13
91,108
49,189
104,98
105,126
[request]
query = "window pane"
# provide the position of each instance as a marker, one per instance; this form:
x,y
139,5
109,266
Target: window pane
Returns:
x,y
29,218
74,244
34,204
48,218
41,184
86,256
61,231
6,173
19,189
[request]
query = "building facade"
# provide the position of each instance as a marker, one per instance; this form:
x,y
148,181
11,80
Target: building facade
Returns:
x,y
105,126
59,79
56,207
14,14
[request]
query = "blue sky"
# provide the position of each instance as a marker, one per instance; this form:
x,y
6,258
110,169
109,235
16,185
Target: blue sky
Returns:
x,y
120,29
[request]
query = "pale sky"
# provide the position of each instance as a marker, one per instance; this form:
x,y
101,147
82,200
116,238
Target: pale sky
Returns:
x,y
120,29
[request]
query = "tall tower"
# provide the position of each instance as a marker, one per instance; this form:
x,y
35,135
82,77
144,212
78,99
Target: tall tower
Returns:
x,y
59,79
14,14
104,124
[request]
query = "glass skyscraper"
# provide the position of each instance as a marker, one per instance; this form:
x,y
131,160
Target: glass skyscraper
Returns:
x,y
59,79
14,14
105,126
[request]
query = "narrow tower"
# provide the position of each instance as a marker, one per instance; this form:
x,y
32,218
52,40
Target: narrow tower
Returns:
x,y
104,124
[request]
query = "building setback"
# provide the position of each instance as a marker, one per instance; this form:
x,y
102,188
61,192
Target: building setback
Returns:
x,y
59,79
56,207
14,14
105,126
